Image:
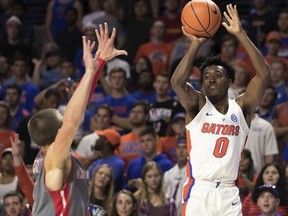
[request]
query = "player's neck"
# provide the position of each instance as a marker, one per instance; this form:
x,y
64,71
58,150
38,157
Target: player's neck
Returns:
x,y
220,105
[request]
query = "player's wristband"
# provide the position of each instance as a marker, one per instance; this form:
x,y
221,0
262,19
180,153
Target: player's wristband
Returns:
x,y
101,63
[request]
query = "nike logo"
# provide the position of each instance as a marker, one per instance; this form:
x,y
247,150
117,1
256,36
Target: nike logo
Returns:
x,y
234,203
209,114
214,10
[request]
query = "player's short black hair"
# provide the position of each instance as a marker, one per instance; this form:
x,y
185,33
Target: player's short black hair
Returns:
x,y
216,60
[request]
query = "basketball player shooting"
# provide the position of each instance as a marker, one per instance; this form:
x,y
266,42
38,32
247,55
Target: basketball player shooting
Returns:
x,y
216,126
61,187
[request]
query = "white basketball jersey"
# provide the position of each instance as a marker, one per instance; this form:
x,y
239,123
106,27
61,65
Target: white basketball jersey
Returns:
x,y
215,142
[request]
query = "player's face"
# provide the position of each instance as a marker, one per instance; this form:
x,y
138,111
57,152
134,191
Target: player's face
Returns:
x,y
153,179
267,203
271,176
124,205
148,144
103,176
215,82
13,206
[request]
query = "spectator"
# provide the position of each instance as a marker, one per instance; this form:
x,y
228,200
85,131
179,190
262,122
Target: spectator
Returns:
x,y
5,131
47,71
8,179
18,9
55,18
143,64
111,9
118,100
247,176
241,79
175,130
144,87
270,174
25,181
268,199
266,106
101,191
69,38
129,148
282,24
172,20
162,111
156,49
280,124
151,196
261,142
95,12
124,204
5,71
175,178
138,27
20,69
102,120
262,20
13,44
148,144
109,140
13,204
17,111
278,72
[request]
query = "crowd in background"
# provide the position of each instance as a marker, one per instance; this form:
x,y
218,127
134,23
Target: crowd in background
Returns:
x,y
132,140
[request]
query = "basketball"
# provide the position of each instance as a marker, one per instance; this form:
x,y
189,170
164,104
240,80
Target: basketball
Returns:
x,y
201,18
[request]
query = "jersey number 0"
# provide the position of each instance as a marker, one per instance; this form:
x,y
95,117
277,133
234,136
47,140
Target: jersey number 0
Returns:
x,y
221,147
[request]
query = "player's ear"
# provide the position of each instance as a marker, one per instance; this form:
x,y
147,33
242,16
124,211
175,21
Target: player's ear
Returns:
x,y
230,82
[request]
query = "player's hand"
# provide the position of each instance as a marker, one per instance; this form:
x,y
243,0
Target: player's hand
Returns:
x,y
106,44
193,37
233,20
90,62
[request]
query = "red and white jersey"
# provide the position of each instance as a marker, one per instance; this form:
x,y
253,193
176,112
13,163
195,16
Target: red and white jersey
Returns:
x,y
215,142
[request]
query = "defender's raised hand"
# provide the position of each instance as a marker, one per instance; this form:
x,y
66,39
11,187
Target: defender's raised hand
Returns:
x,y
232,18
90,62
106,44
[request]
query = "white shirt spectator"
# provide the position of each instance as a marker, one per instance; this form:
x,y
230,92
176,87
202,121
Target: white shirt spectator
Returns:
x,y
261,141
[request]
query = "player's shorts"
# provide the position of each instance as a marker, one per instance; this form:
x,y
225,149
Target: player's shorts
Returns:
x,y
206,198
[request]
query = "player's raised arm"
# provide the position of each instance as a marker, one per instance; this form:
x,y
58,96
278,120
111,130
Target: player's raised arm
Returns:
x,y
256,87
58,152
188,96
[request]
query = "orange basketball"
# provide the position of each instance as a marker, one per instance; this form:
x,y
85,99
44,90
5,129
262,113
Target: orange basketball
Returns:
x,y
201,18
